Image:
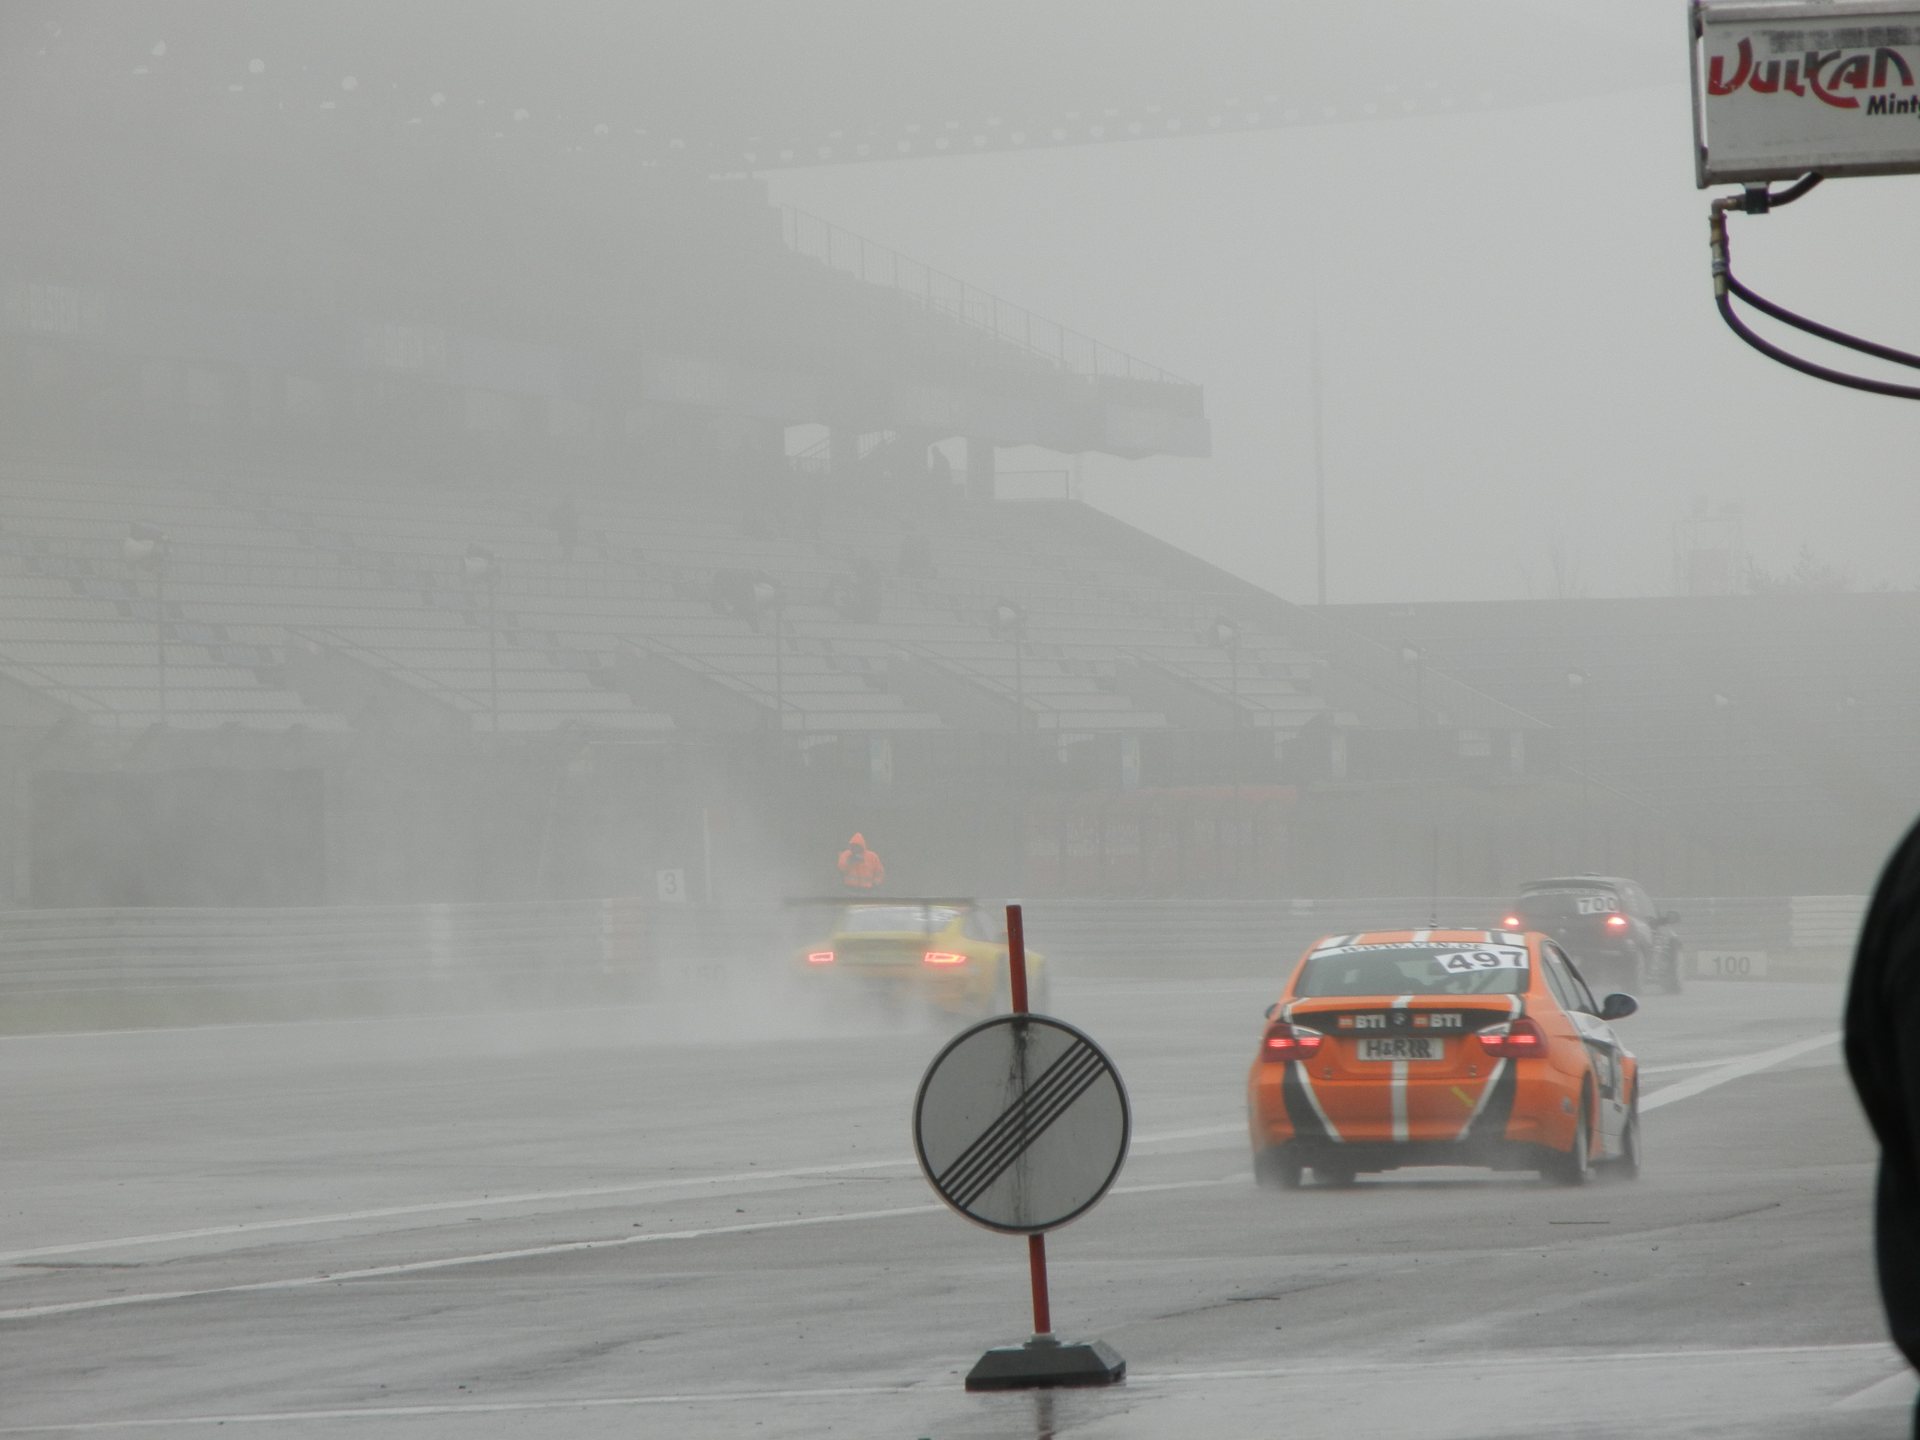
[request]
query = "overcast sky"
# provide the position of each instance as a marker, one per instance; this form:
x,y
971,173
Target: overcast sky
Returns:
x,y
1521,353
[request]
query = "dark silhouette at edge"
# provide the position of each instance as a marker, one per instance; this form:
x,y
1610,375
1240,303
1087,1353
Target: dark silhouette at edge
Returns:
x,y
1883,1056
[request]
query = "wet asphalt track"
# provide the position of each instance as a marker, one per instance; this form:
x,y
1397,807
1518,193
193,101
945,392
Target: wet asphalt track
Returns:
x,y
705,1221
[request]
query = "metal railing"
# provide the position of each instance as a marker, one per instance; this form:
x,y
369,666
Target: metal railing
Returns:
x,y
363,569
90,706
325,639
374,955
361,955
730,680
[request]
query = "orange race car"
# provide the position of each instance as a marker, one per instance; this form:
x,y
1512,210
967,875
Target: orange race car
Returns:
x,y
1441,1047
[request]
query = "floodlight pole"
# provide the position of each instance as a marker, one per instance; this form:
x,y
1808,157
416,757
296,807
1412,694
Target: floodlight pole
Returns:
x,y
482,564
1226,635
1724,704
1411,654
1586,768
779,668
493,647
1009,621
1319,473
160,627
1233,686
1019,685
146,545
1577,682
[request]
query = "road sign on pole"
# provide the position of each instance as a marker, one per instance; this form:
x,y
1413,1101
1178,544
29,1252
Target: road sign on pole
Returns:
x,y
1021,1124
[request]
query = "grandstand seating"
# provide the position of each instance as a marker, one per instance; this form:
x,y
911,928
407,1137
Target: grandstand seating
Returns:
x,y
372,571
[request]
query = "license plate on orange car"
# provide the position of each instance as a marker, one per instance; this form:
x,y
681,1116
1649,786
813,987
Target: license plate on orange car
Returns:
x,y
1402,1047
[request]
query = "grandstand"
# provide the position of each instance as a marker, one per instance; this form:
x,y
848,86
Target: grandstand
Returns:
x,y
344,608
658,532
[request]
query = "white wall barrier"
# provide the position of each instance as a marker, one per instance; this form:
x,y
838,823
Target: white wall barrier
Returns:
x,y
641,949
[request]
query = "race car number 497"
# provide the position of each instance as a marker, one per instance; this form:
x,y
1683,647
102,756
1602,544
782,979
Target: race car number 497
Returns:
x,y
1492,957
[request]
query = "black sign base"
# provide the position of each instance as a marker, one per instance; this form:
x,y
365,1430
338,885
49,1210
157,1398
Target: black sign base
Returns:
x,y
1044,1362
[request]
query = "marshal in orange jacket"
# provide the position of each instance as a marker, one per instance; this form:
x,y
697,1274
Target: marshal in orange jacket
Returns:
x,y
860,868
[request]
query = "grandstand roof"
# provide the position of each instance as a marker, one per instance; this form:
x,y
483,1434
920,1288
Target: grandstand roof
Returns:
x,y
757,84
281,180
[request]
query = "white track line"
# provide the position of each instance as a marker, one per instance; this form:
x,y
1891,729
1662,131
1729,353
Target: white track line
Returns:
x,y
431,1207
1735,1070
1687,1065
1303,1370
1684,1090
478,1407
1701,1064
1308,1369
530,1197
533,1252
492,1257
1894,1392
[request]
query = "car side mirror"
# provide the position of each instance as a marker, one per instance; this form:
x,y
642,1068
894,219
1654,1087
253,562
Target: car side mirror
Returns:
x,y
1272,1009
1618,1006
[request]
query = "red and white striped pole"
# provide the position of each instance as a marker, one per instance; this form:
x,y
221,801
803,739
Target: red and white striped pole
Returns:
x,y
1043,1360
1036,1244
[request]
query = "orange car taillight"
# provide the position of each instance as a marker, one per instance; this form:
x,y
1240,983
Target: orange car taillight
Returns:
x,y
1511,1041
1290,1042
820,957
1512,922
943,957
1616,922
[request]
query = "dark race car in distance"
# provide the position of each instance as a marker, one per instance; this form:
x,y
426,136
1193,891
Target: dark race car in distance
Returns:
x,y
1610,926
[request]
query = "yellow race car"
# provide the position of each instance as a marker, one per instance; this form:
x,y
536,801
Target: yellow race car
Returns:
x,y
944,955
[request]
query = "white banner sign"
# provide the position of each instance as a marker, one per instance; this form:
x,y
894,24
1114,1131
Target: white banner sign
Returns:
x,y
1793,86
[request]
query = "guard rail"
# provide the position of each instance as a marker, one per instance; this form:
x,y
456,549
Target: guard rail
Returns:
x,y
637,949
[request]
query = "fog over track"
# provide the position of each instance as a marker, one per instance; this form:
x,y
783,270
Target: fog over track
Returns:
x,y
584,1223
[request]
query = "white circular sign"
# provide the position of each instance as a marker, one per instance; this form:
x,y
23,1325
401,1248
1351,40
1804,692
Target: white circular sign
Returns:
x,y
1021,1123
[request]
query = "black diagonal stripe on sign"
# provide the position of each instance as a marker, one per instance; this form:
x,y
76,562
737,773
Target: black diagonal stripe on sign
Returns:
x,y
1008,1118
1039,1112
1014,1130
1037,1109
1015,1118
1026,1138
1039,1120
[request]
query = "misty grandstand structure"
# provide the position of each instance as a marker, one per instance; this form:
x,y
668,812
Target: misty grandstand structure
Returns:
x,y
660,541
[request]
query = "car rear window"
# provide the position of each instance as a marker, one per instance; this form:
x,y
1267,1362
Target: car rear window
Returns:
x,y
874,919
1569,904
1414,969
